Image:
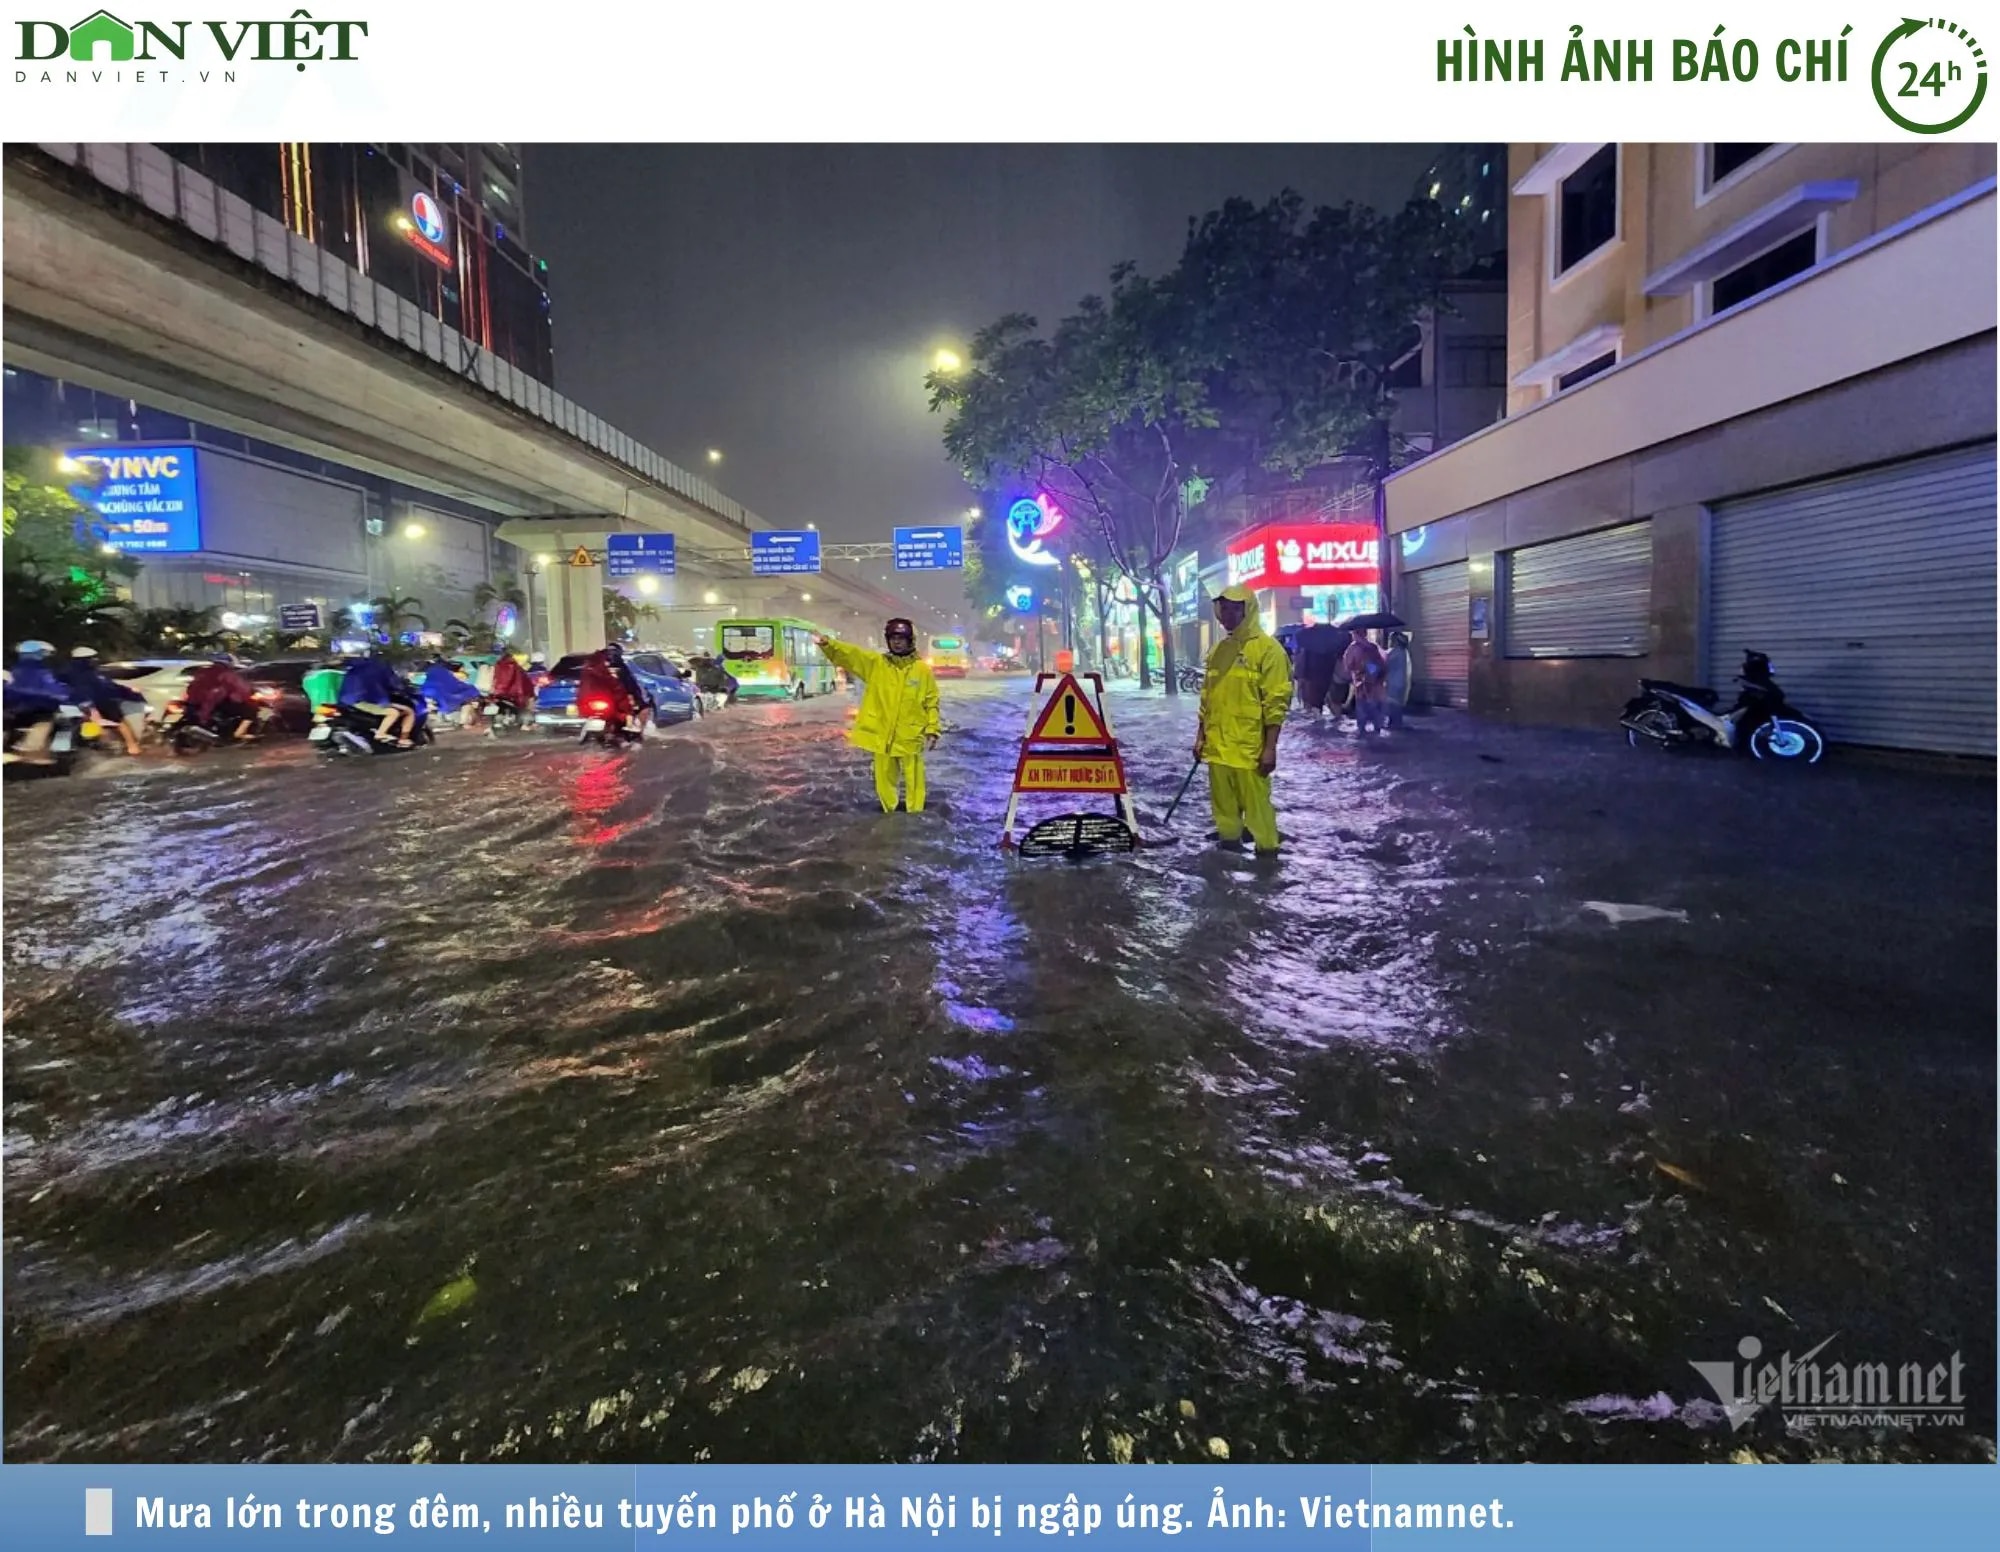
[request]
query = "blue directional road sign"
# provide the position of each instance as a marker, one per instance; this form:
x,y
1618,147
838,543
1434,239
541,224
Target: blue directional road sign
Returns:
x,y
784,552
930,549
639,554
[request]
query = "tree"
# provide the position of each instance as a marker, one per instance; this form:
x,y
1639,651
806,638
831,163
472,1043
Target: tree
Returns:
x,y
394,614
60,582
1267,346
179,632
622,615
503,589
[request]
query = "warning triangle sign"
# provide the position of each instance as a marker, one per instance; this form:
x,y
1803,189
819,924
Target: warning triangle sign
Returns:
x,y
1070,717
581,558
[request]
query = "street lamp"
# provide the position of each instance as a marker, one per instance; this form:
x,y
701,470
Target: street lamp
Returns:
x,y
715,455
805,598
649,585
414,530
947,361
711,597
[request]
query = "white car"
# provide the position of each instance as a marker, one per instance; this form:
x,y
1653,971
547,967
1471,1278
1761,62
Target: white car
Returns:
x,y
160,681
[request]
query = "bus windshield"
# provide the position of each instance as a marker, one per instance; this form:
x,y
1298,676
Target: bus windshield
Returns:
x,y
744,642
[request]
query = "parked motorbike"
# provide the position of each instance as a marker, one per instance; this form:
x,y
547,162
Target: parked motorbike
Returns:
x,y
1190,678
1667,715
347,730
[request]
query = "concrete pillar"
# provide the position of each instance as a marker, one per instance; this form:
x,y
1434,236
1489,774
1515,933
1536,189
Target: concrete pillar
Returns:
x,y
576,608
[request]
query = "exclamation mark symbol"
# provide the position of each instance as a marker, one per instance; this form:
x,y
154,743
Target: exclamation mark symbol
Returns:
x,y
1069,715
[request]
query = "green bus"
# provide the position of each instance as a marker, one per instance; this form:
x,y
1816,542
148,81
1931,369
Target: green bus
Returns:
x,y
775,658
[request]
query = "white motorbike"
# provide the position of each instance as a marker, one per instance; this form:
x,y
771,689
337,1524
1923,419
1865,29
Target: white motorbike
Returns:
x,y
1664,714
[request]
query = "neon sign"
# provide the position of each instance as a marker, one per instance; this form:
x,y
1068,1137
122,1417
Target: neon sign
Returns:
x,y
1413,540
148,499
1306,555
1029,521
423,223
1021,598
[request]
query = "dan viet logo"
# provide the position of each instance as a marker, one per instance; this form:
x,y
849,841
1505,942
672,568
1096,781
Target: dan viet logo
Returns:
x,y
1815,1391
105,48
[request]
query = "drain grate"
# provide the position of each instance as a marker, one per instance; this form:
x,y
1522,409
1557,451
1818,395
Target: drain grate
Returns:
x,y
1079,835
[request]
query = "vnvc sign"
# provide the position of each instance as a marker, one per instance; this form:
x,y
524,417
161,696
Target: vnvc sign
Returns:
x,y
639,554
784,552
1306,555
148,500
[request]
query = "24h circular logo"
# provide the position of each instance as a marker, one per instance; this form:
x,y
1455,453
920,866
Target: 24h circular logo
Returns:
x,y
1932,68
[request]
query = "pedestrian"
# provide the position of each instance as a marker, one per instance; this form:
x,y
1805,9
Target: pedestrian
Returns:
x,y
1245,692
1398,677
1367,670
898,719
1319,652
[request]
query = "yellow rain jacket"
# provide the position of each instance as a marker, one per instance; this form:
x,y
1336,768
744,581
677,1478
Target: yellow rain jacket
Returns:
x,y
1248,688
900,704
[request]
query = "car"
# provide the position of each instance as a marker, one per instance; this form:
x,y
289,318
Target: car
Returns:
x,y
673,697
159,681
281,686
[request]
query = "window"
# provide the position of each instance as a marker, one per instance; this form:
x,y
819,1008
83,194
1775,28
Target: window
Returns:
x,y
1407,365
1793,257
1726,159
1477,361
1587,205
747,641
1588,370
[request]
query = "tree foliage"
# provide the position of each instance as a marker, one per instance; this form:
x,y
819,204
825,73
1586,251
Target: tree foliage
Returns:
x,y
60,585
1267,346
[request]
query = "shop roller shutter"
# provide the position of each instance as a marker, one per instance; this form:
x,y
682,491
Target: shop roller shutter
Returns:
x,y
1590,596
1873,594
1434,601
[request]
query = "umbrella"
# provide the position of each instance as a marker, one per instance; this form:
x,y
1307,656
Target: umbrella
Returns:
x,y
1381,619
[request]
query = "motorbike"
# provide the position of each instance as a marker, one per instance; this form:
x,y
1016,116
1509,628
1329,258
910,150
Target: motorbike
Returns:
x,y
65,740
1668,715
190,735
501,716
347,730
1190,678
611,732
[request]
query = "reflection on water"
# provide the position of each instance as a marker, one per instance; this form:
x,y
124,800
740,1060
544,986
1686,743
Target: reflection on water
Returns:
x,y
523,1101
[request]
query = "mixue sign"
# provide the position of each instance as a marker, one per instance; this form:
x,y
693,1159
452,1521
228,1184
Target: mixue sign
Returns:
x,y
1306,555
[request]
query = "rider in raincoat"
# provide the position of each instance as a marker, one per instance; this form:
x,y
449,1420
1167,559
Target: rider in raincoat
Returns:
x,y
1245,694
899,710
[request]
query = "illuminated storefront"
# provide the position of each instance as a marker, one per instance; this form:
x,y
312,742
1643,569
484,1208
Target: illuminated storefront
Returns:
x,y
1307,572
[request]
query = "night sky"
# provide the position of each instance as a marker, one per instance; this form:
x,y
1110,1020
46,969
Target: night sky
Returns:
x,y
781,303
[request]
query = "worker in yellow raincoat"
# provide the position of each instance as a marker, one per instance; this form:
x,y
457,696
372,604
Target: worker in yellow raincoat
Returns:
x,y
899,710
1245,694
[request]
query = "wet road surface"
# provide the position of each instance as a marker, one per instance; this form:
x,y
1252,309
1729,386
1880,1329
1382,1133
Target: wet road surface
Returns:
x,y
516,1102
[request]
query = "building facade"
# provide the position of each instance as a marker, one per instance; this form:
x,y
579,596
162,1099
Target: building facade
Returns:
x,y
1750,405
440,225
248,529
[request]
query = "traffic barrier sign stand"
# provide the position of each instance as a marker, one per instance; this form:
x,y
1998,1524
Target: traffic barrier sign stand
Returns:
x,y
1068,746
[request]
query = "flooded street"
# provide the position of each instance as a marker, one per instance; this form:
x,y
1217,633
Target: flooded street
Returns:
x,y
511,1101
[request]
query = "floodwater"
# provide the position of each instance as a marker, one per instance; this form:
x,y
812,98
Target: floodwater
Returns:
x,y
512,1101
